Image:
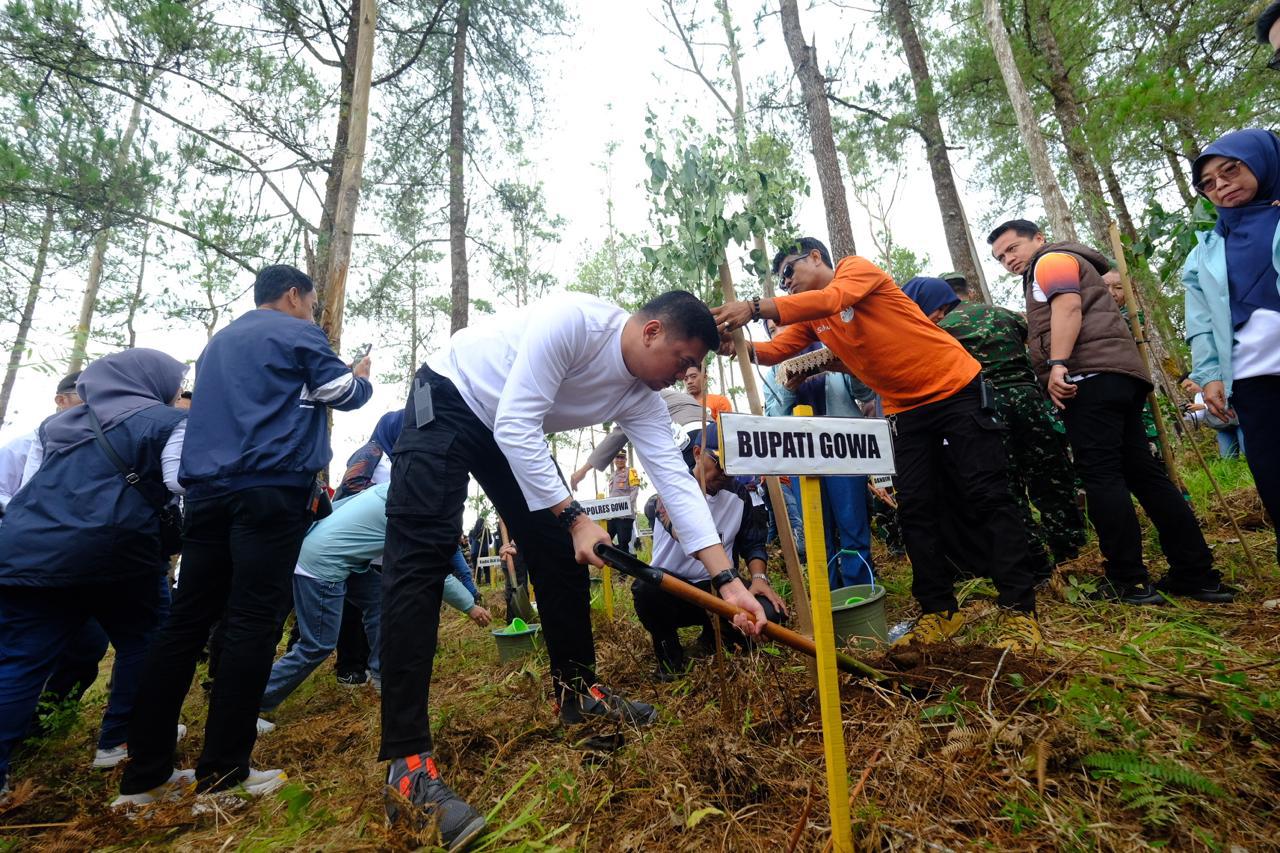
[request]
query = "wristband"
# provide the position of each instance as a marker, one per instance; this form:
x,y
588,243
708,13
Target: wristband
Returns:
x,y
1054,362
726,577
570,514
760,577
755,309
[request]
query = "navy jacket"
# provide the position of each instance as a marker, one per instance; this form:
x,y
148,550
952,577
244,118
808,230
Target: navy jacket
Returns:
x,y
79,522
258,410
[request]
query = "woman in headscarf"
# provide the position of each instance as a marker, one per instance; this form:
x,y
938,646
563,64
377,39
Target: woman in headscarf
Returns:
x,y
1232,280
935,297
80,541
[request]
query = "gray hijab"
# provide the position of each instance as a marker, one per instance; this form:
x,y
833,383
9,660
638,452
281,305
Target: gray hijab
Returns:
x,y
115,387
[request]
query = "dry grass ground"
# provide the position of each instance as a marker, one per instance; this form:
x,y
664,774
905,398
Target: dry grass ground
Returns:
x,y
1136,728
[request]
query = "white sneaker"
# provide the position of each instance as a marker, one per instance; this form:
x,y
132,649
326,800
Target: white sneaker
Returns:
x,y
258,783
180,783
265,726
105,759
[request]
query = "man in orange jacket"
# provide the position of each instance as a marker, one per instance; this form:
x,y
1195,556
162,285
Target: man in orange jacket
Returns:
x,y
942,418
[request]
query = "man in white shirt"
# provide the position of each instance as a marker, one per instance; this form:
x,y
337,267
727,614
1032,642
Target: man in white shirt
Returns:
x,y
14,455
484,408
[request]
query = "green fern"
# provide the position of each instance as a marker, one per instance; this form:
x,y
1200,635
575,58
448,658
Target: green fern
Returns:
x,y
1124,765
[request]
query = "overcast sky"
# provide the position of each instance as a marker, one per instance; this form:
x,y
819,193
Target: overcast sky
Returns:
x,y
599,85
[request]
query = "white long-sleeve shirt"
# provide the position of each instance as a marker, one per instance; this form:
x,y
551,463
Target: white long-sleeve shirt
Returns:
x,y
557,365
13,460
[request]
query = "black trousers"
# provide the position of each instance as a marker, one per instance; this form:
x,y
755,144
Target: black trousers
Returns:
x,y
1257,404
429,476
620,529
238,556
353,644
1109,443
662,614
956,437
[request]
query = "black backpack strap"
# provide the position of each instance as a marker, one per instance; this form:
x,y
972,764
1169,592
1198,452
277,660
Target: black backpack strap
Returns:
x,y
130,476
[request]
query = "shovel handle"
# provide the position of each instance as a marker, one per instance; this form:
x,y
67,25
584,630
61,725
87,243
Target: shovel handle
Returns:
x,y
633,566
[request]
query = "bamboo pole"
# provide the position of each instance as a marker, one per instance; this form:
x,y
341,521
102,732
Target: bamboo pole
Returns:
x,y
1166,449
800,598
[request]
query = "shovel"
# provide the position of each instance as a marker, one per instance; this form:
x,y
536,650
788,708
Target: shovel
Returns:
x,y
518,604
670,584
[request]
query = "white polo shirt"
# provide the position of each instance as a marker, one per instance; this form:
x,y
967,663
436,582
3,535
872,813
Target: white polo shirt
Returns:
x,y
557,365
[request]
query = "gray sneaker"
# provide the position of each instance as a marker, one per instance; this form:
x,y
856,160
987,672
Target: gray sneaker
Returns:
x,y
415,781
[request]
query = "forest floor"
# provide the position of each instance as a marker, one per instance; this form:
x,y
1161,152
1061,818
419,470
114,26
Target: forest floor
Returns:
x,y
1137,727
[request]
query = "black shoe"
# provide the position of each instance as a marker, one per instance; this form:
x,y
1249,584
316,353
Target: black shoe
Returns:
x,y
1137,594
599,703
416,780
352,679
1210,592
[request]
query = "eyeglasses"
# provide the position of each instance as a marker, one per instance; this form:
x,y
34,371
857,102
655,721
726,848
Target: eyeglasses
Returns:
x,y
785,274
1229,172
1274,62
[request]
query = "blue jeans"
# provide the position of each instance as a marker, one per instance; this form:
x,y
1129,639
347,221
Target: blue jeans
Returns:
x,y
37,623
848,527
317,606
1231,443
791,498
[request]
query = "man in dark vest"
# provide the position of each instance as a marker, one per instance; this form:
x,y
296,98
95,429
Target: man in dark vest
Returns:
x,y
1082,351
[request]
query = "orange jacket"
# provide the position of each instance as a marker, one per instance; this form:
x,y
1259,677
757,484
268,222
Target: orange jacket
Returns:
x,y
878,333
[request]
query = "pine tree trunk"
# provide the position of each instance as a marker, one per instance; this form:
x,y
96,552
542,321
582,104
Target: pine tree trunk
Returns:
x,y
1180,180
1127,227
28,311
339,254
135,299
459,296
318,261
1067,109
959,240
1037,152
821,139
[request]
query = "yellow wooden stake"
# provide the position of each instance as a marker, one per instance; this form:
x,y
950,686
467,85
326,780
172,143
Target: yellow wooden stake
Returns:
x,y
606,585
828,676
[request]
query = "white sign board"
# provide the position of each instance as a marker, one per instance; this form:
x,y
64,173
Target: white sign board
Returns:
x,y
488,562
814,447
606,508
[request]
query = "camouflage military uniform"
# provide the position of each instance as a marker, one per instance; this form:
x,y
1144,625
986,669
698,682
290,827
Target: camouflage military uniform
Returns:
x,y
1036,441
1148,416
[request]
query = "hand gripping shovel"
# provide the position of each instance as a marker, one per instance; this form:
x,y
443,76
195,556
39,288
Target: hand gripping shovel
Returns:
x,y
670,584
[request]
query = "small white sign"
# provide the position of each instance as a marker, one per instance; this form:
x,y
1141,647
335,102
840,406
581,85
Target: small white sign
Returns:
x,y
607,508
883,481
814,447
488,562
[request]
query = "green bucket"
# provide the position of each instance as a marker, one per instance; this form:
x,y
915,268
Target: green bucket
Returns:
x,y
597,592
516,641
857,614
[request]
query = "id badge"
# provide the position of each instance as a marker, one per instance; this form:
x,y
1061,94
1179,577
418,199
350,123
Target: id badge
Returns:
x,y
423,411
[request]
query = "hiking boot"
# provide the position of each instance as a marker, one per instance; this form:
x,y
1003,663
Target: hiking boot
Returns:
x,y
1137,594
258,783
933,628
600,703
1017,631
416,780
1209,591
182,782
352,679
105,759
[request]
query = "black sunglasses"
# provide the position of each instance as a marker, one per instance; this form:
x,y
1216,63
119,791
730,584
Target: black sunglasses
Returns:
x,y
785,274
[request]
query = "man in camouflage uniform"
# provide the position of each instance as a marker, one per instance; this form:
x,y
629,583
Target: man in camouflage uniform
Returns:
x,y
1037,441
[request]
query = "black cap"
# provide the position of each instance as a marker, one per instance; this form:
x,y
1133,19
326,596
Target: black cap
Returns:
x,y
1265,21
68,383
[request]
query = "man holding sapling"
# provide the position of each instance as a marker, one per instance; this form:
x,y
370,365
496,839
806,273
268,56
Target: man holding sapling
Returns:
x,y
941,413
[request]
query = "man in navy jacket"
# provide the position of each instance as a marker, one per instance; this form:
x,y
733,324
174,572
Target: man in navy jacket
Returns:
x,y
256,440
